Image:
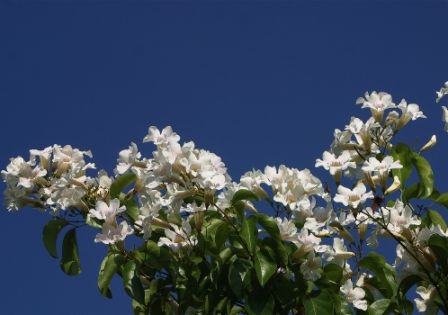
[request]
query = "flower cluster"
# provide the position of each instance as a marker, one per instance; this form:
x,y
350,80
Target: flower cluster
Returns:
x,y
183,204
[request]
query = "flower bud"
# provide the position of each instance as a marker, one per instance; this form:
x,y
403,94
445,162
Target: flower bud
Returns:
x,y
395,185
429,144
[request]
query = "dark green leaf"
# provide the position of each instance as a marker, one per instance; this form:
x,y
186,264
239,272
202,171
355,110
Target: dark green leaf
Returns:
x,y
244,194
216,231
107,271
407,283
411,192
384,279
439,246
333,273
378,307
265,268
319,303
270,225
121,183
424,170
50,235
70,258
260,303
249,233
131,282
402,153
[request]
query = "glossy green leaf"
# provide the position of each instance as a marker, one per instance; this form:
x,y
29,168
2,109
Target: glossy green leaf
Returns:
x,y
120,183
237,273
402,153
379,307
50,235
442,200
244,194
70,257
384,279
249,233
108,269
265,268
439,246
424,170
319,303
436,219
216,231
270,225
131,282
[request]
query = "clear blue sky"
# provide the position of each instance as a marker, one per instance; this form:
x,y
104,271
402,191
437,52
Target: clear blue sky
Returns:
x,y
256,82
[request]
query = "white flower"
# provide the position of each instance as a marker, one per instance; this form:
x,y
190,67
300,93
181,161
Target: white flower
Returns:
x,y
310,268
427,296
252,181
399,217
377,102
442,92
335,164
166,136
409,112
21,173
127,158
107,212
445,118
111,233
354,295
68,159
288,231
178,237
352,197
381,169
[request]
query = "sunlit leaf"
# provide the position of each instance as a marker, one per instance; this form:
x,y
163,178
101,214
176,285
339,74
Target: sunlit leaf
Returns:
x,y
131,282
120,183
402,153
108,269
265,268
424,170
379,307
244,194
249,233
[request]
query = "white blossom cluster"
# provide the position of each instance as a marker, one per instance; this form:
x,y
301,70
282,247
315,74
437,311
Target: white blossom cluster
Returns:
x,y
180,182
54,177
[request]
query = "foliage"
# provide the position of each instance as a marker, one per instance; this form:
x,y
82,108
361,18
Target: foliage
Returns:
x,y
276,242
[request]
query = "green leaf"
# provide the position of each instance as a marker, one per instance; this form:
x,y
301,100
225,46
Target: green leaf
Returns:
x,y
50,235
107,271
424,170
244,194
70,258
131,282
216,231
435,219
333,274
265,268
260,303
407,283
442,200
132,209
120,183
237,274
411,192
439,246
319,303
270,225
249,233
384,279
402,153
378,307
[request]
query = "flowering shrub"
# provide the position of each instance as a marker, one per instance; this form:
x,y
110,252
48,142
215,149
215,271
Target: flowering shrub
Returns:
x,y
276,242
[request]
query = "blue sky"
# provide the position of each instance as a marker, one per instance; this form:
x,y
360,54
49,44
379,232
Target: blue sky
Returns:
x,y
257,82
